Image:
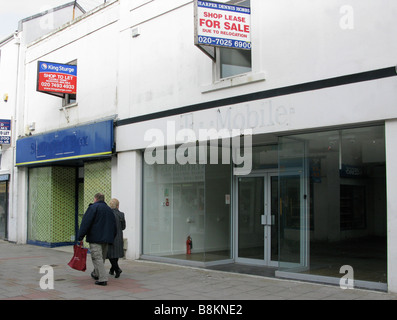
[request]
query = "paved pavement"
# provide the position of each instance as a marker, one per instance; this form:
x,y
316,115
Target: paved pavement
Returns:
x,y
20,279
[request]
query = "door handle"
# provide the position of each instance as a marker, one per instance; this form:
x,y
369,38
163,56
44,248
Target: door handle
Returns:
x,y
267,220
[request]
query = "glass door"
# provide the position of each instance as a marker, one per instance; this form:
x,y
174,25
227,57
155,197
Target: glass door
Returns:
x,y
257,222
251,235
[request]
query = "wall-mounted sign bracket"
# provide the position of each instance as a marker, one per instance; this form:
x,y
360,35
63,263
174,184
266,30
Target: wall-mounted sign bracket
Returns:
x,y
208,50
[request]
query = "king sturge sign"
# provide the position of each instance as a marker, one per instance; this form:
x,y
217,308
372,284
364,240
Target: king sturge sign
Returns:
x,y
222,25
56,78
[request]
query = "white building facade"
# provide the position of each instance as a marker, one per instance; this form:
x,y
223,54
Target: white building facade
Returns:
x,y
9,50
12,88
303,124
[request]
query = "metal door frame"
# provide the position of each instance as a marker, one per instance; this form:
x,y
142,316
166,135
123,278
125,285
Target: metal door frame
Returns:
x,y
266,174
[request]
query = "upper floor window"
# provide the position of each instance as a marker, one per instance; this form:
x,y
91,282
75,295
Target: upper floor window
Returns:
x,y
233,62
70,99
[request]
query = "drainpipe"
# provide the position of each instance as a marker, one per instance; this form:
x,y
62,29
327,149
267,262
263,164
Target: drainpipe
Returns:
x,y
14,122
13,205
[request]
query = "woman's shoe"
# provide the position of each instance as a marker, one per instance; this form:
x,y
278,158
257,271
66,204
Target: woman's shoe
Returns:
x,y
118,273
111,272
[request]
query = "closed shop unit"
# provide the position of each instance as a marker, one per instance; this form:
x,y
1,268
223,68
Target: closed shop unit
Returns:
x,y
61,188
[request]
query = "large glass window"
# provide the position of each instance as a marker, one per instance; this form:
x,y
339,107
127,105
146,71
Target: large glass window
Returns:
x,y
345,215
187,200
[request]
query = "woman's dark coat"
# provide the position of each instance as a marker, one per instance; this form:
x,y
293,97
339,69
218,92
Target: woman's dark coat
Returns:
x,y
117,249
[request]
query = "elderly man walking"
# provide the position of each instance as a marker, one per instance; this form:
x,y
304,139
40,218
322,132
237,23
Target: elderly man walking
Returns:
x,y
99,225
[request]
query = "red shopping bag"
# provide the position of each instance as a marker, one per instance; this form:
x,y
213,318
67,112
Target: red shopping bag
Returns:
x,y
78,261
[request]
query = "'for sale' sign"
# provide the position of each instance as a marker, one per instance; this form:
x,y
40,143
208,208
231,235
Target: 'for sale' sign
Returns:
x,y
57,78
222,25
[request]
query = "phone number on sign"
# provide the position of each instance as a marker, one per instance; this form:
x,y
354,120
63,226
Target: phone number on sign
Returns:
x,y
57,85
224,42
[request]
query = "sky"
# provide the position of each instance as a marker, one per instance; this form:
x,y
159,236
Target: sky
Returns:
x,y
12,11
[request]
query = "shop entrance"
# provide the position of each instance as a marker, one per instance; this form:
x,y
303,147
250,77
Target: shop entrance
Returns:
x,y
257,222
58,197
271,216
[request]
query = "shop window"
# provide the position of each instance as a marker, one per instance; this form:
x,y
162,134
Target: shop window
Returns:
x,y
233,62
347,209
190,200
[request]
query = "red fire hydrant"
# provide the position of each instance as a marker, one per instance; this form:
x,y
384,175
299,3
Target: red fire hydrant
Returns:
x,y
189,245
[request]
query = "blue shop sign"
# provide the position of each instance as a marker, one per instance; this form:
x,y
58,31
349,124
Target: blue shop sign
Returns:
x,y
92,140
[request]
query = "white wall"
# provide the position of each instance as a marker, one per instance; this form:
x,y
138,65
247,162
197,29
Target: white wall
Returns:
x,y
8,77
304,41
128,190
93,42
292,42
163,68
349,104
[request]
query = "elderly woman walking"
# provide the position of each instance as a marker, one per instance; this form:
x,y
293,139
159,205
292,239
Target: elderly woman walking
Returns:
x,y
116,250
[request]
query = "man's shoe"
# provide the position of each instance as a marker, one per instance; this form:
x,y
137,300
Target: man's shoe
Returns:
x,y
101,283
94,276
